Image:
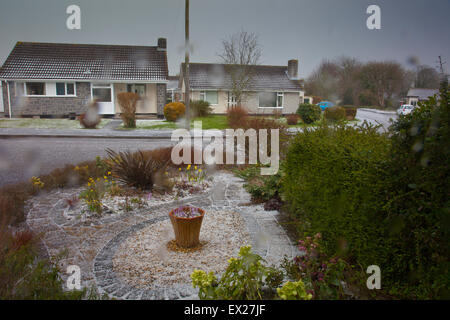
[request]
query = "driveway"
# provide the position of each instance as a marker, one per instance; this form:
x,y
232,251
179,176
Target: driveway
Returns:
x,y
376,117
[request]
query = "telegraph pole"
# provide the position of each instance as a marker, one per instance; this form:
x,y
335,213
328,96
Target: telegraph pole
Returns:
x,y
186,67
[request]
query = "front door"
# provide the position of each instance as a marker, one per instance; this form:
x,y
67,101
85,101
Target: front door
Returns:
x,y
104,94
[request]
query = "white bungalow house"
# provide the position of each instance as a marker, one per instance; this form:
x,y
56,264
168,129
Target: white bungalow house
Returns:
x,y
58,79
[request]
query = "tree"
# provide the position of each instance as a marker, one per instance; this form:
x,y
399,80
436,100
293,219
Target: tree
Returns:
x,y
384,80
241,52
427,77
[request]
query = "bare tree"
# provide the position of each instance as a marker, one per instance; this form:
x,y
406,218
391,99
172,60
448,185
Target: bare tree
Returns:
x,y
241,52
427,77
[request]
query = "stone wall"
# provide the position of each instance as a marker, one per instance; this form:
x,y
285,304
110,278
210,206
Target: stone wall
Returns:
x,y
50,106
160,98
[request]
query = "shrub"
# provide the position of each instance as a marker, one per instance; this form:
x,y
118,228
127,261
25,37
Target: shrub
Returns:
x,y
417,202
91,118
293,291
237,117
243,279
138,169
174,111
127,102
350,112
309,113
334,114
332,186
200,108
292,119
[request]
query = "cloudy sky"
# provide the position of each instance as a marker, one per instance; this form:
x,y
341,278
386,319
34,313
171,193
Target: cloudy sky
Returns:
x,y
308,30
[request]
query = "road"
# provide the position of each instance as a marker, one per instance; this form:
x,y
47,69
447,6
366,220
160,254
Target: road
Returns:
x,y
20,159
375,118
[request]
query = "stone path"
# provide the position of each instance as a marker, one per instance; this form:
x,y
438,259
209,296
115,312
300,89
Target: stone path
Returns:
x,y
92,244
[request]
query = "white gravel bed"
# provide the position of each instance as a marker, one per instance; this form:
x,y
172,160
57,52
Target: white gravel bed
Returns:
x,y
143,260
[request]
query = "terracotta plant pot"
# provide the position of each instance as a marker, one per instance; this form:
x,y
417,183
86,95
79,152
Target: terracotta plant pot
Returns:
x,y
187,230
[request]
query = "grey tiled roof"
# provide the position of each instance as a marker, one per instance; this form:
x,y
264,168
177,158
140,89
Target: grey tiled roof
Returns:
x,y
217,76
29,60
422,94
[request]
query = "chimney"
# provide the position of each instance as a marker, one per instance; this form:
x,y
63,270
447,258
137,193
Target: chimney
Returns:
x,y
293,69
162,44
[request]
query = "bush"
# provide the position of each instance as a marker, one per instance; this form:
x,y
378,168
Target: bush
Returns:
x,y
350,112
127,102
292,119
138,169
174,111
332,186
200,108
237,116
243,279
91,118
417,204
309,113
334,114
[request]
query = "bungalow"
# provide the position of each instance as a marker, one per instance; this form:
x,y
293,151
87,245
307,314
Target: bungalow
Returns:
x,y
56,79
415,95
272,88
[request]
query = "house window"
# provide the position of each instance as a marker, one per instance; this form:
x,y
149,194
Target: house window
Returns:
x,y
35,88
232,101
210,96
101,92
137,88
65,89
271,99
19,89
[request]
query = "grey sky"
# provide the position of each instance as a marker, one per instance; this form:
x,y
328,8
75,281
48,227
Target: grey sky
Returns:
x,y
309,30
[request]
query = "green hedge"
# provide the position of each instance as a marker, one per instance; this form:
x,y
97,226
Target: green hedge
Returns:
x,y
200,108
309,113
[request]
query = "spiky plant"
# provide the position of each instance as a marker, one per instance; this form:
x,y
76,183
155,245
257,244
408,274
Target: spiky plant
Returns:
x,y
136,169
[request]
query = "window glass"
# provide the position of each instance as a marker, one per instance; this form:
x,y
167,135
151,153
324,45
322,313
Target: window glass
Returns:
x,y
70,88
35,88
137,88
212,97
280,97
102,94
267,99
19,89
60,89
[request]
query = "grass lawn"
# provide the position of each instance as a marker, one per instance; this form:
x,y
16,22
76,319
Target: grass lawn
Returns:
x,y
211,122
45,123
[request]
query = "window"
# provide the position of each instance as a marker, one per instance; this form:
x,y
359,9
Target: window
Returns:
x,y
232,101
137,88
211,96
102,92
35,88
65,89
19,89
271,99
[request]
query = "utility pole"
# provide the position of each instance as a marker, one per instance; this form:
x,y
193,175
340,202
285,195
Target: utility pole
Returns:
x,y
186,67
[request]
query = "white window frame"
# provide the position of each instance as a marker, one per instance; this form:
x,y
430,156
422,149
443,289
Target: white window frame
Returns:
x,y
231,100
278,94
47,87
65,90
103,86
203,96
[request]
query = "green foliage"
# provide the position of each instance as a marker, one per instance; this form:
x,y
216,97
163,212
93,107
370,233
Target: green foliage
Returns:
x,y
332,185
136,169
309,113
93,195
174,111
200,108
334,114
293,291
418,205
243,279
264,188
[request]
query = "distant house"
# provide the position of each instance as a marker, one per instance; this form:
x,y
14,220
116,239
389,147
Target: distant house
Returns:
x,y
273,88
56,79
415,95
173,90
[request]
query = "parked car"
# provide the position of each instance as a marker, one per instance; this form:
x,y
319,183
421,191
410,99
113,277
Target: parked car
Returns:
x,y
405,109
325,104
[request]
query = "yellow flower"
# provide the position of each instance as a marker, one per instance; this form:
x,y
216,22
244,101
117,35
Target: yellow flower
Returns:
x,y
188,167
105,177
195,167
109,172
179,169
89,184
166,173
200,170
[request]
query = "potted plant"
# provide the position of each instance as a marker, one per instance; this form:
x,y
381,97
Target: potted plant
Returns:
x,y
186,222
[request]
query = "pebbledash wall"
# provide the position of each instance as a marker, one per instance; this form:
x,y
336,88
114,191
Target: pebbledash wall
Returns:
x,y
63,106
47,106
